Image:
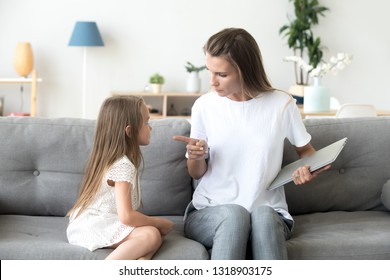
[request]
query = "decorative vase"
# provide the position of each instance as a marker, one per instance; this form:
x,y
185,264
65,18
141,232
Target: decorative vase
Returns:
x,y
156,88
316,98
193,82
24,59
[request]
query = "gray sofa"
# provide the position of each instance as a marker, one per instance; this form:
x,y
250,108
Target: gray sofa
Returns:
x,y
42,164
338,216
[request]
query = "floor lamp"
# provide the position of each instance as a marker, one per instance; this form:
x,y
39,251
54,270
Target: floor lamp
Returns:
x,y
85,34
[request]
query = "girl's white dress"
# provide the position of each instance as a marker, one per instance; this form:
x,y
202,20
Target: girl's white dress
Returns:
x,y
99,226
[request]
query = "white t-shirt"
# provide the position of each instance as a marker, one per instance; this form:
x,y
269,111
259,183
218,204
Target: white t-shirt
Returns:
x,y
246,141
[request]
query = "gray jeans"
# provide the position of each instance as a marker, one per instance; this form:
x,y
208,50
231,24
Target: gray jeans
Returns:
x,y
228,229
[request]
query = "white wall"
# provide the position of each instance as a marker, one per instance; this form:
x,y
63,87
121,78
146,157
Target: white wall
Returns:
x,y
143,37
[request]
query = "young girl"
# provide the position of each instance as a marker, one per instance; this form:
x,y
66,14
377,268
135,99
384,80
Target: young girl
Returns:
x,y
105,214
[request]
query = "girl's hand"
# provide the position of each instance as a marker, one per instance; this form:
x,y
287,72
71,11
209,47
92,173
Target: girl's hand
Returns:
x,y
165,226
303,175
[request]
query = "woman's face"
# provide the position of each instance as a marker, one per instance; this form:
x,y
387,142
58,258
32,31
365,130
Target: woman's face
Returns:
x,y
144,133
224,78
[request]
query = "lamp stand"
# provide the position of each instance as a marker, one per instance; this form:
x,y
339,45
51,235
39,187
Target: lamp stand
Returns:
x,y
85,34
84,94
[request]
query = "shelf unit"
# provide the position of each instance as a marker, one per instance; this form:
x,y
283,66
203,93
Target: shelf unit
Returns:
x,y
332,113
182,102
34,80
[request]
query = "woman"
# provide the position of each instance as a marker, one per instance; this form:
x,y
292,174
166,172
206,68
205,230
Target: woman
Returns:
x,y
235,151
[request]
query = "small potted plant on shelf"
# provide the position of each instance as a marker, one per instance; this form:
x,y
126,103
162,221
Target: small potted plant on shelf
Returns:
x,y
156,82
193,81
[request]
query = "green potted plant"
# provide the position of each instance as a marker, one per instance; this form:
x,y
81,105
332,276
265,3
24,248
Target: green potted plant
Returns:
x,y
192,68
156,81
300,37
193,81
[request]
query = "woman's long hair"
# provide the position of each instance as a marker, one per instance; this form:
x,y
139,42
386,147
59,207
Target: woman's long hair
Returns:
x,y
110,144
240,49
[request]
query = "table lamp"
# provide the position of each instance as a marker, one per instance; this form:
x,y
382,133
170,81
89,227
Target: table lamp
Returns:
x,y
85,34
24,65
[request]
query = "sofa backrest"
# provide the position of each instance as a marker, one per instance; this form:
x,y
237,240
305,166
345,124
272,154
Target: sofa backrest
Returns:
x,y
356,178
166,185
42,163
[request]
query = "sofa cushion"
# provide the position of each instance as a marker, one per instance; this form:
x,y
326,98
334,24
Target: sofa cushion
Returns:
x,y
165,183
341,235
385,196
44,238
355,180
42,164
34,238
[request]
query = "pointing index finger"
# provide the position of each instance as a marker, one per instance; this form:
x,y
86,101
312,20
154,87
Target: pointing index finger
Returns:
x,y
184,139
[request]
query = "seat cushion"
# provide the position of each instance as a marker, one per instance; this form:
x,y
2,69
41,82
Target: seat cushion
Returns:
x,y
341,235
44,238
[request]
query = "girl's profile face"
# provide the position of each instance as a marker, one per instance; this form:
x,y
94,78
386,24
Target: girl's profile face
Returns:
x,y
144,133
224,77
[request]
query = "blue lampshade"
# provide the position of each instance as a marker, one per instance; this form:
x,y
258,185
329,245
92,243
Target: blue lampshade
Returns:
x,y
86,34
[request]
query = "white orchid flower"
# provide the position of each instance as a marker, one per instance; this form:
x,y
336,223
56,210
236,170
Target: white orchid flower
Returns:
x,y
335,64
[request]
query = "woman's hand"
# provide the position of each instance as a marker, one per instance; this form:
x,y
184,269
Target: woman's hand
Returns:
x,y
196,149
303,175
198,152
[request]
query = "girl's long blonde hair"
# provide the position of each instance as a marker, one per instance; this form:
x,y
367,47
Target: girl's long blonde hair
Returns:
x,y
110,144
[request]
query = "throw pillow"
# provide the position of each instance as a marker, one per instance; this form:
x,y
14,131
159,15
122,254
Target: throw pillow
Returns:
x,y
385,196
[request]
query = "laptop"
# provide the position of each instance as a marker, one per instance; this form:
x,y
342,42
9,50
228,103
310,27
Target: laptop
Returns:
x,y
317,160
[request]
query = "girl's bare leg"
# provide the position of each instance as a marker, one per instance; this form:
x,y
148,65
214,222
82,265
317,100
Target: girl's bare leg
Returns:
x,y
141,243
148,256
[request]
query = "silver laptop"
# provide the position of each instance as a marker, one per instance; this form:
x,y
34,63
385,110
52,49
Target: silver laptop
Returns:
x,y
317,160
